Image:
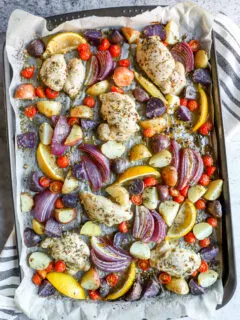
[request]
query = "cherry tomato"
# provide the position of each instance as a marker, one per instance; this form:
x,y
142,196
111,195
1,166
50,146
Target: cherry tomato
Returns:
x,y
200,204
44,182
143,264
179,198
184,191
105,44
192,105
194,45
204,180
84,51
56,186
123,227
50,267
73,120
51,94
115,50
124,63
42,273
28,72
94,295
60,266
190,237
62,161
36,279
165,43
59,204
212,222
136,199
89,102
40,92
30,111
194,274
207,161
210,171
149,182
148,132
164,278
173,192
203,267
122,76
116,89
205,128
183,102
204,243
112,279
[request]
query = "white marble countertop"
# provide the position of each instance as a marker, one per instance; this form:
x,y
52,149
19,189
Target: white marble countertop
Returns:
x,y
46,8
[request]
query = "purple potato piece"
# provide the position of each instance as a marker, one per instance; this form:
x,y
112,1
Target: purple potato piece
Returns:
x,y
34,184
70,200
119,165
163,192
36,48
53,228
140,94
46,289
31,239
135,292
202,76
151,288
159,142
121,240
104,288
136,186
155,30
93,36
115,37
209,253
190,92
88,124
155,108
184,113
214,208
26,140
195,289
78,171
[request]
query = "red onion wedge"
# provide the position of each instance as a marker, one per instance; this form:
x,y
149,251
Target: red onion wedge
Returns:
x,y
93,174
174,149
92,71
107,266
183,53
186,168
60,133
198,168
106,64
159,232
101,161
143,224
44,205
34,184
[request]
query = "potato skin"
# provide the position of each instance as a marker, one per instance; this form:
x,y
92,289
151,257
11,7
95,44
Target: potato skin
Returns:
x,y
170,176
178,285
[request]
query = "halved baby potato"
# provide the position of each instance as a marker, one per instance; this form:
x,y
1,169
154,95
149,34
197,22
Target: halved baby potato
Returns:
x,y
196,192
158,124
98,88
131,35
70,183
65,215
169,209
172,32
161,159
25,91
45,133
214,190
26,202
113,149
49,108
178,285
38,227
119,193
74,136
39,260
90,280
81,112
150,198
139,152
90,229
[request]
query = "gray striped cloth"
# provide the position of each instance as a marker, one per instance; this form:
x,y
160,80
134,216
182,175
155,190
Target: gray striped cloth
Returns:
x,y
227,35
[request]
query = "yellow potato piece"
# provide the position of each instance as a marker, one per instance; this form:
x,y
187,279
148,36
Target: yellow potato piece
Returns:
x,y
139,152
158,124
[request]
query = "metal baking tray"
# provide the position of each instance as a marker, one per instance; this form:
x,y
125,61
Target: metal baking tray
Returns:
x,y
229,268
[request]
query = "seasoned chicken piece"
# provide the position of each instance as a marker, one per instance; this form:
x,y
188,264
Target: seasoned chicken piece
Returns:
x,y
119,111
176,82
71,249
176,261
53,72
103,210
75,77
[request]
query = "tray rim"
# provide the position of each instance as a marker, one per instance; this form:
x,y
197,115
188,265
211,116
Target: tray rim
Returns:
x,y
231,281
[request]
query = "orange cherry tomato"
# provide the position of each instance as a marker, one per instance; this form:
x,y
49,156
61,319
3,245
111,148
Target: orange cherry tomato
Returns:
x,y
28,72
204,180
30,111
183,102
194,274
115,50
112,279
165,43
210,171
36,279
136,199
51,94
190,238
173,192
212,222
94,295
105,45
192,105
203,267
194,45
184,191
60,266
207,161
116,89
89,102
44,182
143,264
149,182
179,198
40,92
123,227
56,186
73,120
200,204
164,278
149,132
59,204
62,161
84,51
42,273
50,267
205,128
204,243
124,63
122,76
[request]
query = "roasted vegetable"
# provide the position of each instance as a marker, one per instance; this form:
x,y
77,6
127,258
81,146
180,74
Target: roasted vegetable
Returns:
x,y
49,108
31,239
139,152
53,228
45,133
207,279
113,149
119,165
214,190
98,88
135,292
140,95
90,229
36,48
172,32
184,113
90,280
202,76
93,36
209,253
25,91
214,208
46,289
131,35
115,37
196,192
152,288
39,260
159,142
163,192
178,285
158,124
136,186
140,250
81,112
70,183
169,209
201,59
38,227
65,215
26,202
150,198
202,230
183,53
170,176
26,140
195,289
161,159
70,200
155,30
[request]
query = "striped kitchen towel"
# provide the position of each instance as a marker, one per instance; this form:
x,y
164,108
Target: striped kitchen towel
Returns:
x,y
227,35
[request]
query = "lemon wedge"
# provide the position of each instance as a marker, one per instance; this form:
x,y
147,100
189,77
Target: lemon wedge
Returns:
x,y
47,163
137,172
203,109
66,284
183,222
63,43
126,285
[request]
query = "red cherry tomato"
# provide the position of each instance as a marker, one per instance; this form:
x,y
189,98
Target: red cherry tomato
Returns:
x,y
200,204
184,191
203,267
173,192
194,274
165,43
124,63
164,278
94,295
84,51
149,132
204,243
73,120
51,94
136,199
143,264
194,45
44,182
149,182
192,105
207,161
179,198
30,111
36,279
122,76
212,222
28,72
63,161
123,227
59,204
210,171
190,237
205,128
105,44
112,279
56,186
183,102
60,266
116,89
40,92
89,102
50,267
115,50
204,180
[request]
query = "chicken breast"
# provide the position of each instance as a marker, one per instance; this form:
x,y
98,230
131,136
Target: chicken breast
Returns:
x,y
176,261
75,77
119,111
176,82
71,249
103,210
53,72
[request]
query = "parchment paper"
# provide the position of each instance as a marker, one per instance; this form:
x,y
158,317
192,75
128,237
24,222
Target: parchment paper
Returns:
x,y
22,28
